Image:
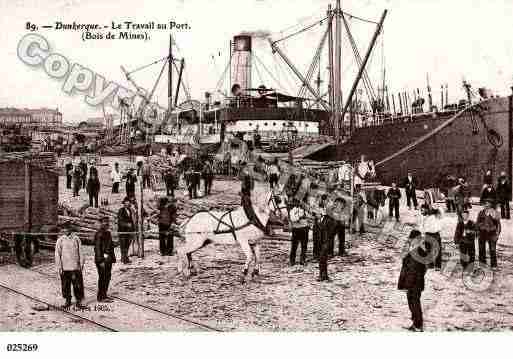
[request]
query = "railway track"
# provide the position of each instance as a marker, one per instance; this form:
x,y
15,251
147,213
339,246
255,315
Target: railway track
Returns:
x,y
56,308
199,325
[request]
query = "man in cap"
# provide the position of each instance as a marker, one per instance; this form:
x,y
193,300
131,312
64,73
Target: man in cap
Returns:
x,y
489,225
504,195
69,261
104,257
167,218
131,180
125,224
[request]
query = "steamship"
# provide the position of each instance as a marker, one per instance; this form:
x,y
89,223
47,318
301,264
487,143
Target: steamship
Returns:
x,y
400,135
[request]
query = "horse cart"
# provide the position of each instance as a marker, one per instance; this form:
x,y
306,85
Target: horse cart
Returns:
x,y
29,202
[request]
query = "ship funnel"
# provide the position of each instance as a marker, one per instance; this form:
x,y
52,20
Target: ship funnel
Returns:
x,y
241,64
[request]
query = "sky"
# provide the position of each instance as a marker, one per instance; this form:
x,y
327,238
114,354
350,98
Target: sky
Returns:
x,y
449,40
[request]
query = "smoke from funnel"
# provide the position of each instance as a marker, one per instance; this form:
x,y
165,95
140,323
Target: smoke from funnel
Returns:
x,y
257,34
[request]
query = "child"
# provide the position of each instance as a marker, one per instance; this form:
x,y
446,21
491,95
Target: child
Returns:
x,y
412,275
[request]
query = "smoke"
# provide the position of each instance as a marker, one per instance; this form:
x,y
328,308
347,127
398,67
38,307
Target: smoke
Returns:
x,y
257,34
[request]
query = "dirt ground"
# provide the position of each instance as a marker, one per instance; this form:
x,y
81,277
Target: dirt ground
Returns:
x,y
362,296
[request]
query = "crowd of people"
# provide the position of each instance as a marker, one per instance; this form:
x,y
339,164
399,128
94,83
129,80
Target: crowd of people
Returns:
x,y
327,217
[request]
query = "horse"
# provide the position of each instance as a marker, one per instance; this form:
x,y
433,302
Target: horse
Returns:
x,y
234,226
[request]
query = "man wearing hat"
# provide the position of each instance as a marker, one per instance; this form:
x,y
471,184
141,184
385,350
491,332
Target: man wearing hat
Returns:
x,y
131,180
125,224
69,262
489,225
104,257
167,217
465,238
504,195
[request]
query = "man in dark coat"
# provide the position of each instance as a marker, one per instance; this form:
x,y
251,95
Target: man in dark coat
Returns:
x,y
489,225
504,195
69,174
329,227
131,180
77,180
104,257
465,238
125,224
208,176
83,167
170,180
410,187
167,217
394,195
488,193
412,275
93,189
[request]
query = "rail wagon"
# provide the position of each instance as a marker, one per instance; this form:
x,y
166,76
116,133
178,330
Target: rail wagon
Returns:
x,y
29,194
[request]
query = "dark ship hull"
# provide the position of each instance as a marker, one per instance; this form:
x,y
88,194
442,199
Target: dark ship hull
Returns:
x,y
471,142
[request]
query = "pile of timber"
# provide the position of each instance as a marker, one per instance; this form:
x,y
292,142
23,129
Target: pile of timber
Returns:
x,y
42,160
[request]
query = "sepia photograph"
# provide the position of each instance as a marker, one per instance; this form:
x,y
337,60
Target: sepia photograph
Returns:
x,y
255,167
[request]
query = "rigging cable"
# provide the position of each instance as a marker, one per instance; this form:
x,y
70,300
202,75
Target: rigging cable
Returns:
x,y
269,72
302,30
146,66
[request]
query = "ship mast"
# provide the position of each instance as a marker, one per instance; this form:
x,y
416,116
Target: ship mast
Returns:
x,y
170,75
338,72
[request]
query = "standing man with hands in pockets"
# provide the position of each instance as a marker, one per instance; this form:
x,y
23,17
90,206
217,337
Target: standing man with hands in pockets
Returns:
x,y
69,262
104,257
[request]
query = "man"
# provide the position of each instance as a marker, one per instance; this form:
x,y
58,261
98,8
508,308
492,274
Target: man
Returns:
x,y
146,175
411,278
329,228
167,217
319,213
196,177
504,195
190,183
208,176
77,180
410,186
125,224
104,257
92,168
300,229
488,193
69,174
83,168
131,180
69,261
339,214
93,189
461,198
247,183
358,209
431,228
465,238
115,175
170,180
134,237
489,225
394,195
274,173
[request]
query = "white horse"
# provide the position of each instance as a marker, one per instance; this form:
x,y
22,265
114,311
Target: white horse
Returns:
x,y
230,227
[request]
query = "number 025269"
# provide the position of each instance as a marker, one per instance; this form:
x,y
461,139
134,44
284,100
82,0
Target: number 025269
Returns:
x,y
22,347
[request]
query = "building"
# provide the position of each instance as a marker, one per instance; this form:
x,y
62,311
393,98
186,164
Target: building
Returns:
x,y
46,117
15,117
42,117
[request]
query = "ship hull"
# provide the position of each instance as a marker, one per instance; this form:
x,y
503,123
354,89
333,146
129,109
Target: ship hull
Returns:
x,y
456,150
